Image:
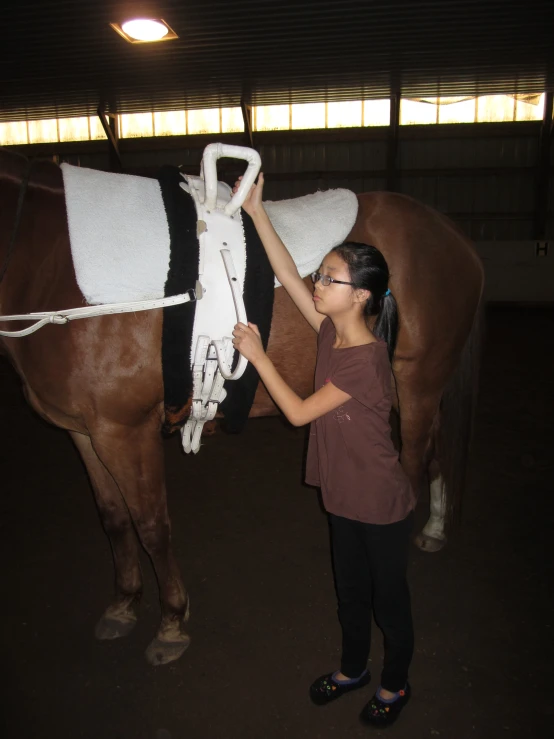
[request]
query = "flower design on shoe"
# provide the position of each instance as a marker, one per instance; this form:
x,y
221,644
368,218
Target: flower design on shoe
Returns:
x,y
326,688
382,712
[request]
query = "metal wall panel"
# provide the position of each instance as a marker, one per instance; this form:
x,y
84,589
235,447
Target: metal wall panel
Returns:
x,y
468,152
483,176
324,157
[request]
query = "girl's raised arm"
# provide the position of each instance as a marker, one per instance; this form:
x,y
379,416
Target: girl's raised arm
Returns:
x,y
281,261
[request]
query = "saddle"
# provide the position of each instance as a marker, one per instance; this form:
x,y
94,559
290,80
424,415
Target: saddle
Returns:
x,y
219,292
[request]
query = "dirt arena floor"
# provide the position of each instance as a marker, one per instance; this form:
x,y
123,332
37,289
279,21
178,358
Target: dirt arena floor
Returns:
x,y
252,543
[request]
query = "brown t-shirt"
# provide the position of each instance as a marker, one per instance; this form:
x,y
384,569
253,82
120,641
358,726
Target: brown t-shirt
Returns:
x,y
350,454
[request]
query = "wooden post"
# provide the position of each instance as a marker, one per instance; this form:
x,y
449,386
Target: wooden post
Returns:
x,y
247,118
392,140
111,129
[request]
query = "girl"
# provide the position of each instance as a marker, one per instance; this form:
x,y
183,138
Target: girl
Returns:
x,y
350,454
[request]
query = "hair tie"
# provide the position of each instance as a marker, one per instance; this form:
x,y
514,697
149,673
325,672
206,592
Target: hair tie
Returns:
x,y
387,293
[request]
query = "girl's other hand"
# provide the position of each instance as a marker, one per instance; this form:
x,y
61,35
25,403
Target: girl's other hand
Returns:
x,y
253,201
247,340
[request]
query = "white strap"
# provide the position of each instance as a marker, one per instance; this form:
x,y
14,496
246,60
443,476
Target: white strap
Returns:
x,y
203,370
225,369
73,314
218,393
208,391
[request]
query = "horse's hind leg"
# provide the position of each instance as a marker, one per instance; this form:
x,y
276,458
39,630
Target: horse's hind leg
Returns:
x,y
433,537
121,616
134,457
418,414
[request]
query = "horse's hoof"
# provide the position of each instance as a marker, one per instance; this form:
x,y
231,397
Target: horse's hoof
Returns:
x,y
429,543
112,628
118,620
162,652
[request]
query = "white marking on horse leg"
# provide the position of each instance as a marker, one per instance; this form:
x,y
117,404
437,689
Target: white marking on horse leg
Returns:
x,y
434,527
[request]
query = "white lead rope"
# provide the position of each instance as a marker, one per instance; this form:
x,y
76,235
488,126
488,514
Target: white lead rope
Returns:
x,y
62,317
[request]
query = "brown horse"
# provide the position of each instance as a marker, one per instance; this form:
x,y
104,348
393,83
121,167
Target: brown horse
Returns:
x,y
101,378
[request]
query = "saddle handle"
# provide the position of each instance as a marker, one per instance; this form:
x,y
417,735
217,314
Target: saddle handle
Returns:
x,y
212,153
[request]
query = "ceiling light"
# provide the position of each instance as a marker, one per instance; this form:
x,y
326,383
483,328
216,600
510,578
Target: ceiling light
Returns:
x,y
144,30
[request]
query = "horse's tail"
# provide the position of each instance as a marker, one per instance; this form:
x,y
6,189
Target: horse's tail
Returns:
x,y
457,412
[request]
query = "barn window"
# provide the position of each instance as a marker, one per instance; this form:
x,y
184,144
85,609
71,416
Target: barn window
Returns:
x,y
376,113
74,129
271,117
231,120
529,107
170,123
42,131
345,115
14,132
135,125
421,111
96,128
204,121
352,113
479,109
496,108
456,110
61,129
308,115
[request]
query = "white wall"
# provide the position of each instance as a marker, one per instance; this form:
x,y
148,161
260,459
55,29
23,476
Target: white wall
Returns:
x,y
516,272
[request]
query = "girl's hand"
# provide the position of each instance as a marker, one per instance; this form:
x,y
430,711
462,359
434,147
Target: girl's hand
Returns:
x,y
253,201
247,340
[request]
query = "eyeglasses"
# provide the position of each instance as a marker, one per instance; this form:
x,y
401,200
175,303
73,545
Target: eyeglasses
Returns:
x,y
326,280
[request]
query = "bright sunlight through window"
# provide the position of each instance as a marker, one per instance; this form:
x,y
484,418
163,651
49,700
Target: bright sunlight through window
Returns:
x,y
348,114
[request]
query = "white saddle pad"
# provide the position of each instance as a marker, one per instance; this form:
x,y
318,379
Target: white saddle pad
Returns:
x,y
119,235
310,226
120,239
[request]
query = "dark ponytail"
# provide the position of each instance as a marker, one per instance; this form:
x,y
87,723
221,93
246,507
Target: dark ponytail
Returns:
x,y
369,271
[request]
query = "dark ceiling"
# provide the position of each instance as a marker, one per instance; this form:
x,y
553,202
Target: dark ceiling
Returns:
x,y
61,58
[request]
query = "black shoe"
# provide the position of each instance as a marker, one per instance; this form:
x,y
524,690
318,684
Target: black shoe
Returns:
x,y
326,689
380,714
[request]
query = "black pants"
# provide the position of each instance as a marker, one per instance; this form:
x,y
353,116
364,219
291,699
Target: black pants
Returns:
x,y
370,562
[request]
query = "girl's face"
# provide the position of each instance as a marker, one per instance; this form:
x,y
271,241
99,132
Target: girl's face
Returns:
x,y
337,298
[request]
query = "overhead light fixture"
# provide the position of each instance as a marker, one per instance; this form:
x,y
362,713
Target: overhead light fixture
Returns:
x,y
144,30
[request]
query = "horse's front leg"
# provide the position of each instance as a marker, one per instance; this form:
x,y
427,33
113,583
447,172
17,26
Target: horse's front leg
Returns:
x,y
121,615
134,457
